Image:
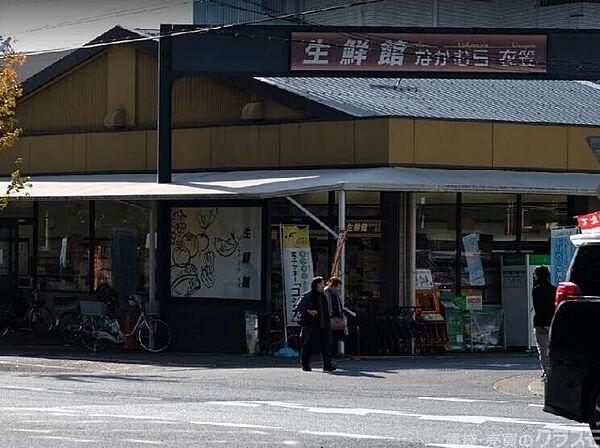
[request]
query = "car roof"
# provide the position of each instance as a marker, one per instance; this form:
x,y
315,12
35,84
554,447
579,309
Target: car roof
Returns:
x,y
585,239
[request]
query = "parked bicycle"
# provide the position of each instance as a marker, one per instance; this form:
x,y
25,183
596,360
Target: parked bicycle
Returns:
x,y
98,330
37,316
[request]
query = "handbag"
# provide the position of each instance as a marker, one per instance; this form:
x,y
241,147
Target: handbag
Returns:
x,y
338,323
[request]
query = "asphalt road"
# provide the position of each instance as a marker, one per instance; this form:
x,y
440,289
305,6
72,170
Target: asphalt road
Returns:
x,y
180,401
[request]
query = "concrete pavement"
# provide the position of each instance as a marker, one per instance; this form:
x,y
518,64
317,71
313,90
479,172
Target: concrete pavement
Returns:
x,y
116,400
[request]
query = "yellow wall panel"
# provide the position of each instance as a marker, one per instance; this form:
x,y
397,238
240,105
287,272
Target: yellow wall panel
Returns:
x,y
146,90
75,102
580,157
121,79
316,144
20,150
245,146
458,143
117,151
275,111
191,148
372,140
402,141
530,146
203,101
53,154
151,150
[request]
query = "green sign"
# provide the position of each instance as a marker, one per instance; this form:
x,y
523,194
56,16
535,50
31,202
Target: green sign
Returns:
x,y
455,326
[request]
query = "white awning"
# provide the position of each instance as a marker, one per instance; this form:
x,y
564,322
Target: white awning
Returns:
x,y
274,183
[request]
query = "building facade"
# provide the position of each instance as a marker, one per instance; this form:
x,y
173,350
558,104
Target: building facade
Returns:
x,y
420,167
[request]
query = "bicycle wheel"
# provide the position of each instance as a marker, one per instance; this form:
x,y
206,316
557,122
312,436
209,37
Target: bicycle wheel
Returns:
x,y
89,326
69,327
40,320
154,335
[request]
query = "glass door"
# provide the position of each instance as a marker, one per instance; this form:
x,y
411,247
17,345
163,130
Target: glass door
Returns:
x,y
8,262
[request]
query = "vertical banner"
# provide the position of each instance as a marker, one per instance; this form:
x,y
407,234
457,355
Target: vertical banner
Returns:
x,y
562,251
473,257
297,266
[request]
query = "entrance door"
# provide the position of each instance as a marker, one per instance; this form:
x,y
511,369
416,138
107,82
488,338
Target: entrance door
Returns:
x,y
8,262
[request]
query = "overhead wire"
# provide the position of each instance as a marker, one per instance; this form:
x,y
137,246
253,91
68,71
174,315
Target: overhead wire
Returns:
x,y
287,16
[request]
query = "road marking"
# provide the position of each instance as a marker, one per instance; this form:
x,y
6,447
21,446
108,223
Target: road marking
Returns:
x,y
37,431
146,442
346,435
235,425
137,397
37,389
535,405
472,419
290,442
459,400
443,445
240,404
66,439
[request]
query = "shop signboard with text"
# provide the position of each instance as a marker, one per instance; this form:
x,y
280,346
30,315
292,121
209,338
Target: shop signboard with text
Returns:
x,y
297,266
418,52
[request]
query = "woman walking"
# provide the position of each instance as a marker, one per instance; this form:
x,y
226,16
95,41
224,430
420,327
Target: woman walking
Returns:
x,y
314,317
337,315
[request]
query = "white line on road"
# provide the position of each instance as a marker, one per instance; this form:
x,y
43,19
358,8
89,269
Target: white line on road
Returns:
x,y
240,404
346,435
36,431
235,425
37,389
459,400
535,405
145,442
66,439
442,445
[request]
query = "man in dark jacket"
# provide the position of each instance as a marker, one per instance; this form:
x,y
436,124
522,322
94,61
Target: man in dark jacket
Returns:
x,y
314,314
544,294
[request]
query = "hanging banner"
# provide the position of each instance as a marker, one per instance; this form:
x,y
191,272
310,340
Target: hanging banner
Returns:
x,y
297,266
473,257
589,223
562,251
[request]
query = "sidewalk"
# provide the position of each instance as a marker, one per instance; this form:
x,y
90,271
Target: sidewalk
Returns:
x,y
522,385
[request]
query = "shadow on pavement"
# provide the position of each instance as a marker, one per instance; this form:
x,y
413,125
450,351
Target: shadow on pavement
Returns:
x,y
371,367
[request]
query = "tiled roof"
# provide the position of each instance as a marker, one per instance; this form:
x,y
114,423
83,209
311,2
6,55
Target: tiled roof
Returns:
x,y
35,63
561,102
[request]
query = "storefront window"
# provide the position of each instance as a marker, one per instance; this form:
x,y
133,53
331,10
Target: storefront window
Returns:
x,y
63,246
121,249
436,238
540,214
488,235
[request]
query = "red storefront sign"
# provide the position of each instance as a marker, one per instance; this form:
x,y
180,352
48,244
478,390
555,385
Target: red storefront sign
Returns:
x,y
465,53
589,223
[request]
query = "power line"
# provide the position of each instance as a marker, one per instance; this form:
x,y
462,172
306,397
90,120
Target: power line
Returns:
x,y
97,18
204,29
290,16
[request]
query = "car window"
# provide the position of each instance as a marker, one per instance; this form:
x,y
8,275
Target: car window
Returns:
x,y
585,271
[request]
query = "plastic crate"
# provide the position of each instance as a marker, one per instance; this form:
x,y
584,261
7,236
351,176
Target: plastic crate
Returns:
x,y
89,308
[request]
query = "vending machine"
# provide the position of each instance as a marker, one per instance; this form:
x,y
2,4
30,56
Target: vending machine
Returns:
x,y
517,283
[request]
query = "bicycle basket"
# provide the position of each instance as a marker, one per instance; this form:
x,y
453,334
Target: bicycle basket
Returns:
x,y
89,308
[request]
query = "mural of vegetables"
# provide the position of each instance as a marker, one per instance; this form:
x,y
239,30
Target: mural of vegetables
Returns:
x,y
207,258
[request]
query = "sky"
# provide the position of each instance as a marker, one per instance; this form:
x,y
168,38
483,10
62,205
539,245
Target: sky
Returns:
x,y
52,24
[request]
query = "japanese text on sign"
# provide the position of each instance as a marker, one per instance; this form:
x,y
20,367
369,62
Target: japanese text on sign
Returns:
x,y
589,223
419,52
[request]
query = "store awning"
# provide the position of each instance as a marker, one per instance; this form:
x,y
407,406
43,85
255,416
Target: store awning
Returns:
x,y
275,183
